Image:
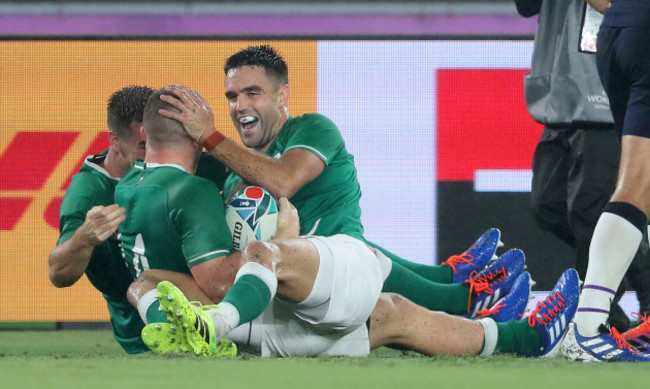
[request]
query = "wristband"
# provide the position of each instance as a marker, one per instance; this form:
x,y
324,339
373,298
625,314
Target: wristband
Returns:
x,y
213,140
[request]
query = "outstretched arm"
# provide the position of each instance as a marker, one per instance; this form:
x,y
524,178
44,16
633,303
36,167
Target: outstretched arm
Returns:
x,y
68,261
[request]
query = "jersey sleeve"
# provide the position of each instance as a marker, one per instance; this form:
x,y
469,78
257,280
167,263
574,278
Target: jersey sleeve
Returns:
x,y
317,134
83,194
198,215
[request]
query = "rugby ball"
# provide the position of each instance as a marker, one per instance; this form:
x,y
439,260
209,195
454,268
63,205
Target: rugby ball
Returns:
x,y
251,214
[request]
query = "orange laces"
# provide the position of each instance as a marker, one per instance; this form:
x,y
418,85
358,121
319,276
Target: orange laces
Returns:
x,y
455,260
489,311
620,341
481,284
547,310
644,317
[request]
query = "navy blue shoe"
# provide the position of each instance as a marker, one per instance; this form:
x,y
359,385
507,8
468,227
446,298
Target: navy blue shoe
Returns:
x,y
476,257
551,317
494,282
513,305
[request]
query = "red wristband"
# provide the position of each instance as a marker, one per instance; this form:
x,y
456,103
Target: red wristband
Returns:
x,y
213,140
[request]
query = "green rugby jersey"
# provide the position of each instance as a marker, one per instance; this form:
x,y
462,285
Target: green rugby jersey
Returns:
x,y
106,269
174,220
329,204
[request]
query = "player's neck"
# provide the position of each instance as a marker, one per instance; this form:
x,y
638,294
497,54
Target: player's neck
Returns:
x,y
114,165
185,158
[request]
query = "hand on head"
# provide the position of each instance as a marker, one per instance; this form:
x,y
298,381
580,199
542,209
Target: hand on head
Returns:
x,y
195,112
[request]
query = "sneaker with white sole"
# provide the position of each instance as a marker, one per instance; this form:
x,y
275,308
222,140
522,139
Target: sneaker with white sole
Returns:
x,y
608,346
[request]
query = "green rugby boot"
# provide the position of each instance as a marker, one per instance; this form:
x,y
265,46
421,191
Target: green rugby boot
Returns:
x,y
165,339
194,323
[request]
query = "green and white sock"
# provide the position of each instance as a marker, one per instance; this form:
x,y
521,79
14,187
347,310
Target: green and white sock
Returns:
x,y
254,287
149,308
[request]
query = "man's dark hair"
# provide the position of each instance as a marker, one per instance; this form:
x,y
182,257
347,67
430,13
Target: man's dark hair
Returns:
x,y
125,106
158,127
263,56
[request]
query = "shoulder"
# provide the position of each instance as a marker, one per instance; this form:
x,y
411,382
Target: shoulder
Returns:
x,y
87,184
314,119
187,186
312,126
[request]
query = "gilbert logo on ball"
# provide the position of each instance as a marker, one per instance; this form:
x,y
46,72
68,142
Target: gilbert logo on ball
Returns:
x,y
251,214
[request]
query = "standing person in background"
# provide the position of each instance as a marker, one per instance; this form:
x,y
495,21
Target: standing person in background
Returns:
x,y
623,59
576,160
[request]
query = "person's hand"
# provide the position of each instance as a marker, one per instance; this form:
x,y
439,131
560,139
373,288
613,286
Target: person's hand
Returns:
x,y
288,220
101,223
195,112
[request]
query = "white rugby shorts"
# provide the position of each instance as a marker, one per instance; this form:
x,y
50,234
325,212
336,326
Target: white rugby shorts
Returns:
x,y
332,320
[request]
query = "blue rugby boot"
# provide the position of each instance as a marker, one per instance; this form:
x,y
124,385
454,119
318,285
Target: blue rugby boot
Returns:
x,y
513,305
476,257
551,317
494,282
608,346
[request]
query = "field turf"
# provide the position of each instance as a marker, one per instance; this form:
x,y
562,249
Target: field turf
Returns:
x,y
93,360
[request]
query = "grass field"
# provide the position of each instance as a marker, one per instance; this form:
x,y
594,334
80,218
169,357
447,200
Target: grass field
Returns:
x,y
93,360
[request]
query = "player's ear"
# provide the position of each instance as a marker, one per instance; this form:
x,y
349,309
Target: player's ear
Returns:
x,y
143,133
113,141
283,95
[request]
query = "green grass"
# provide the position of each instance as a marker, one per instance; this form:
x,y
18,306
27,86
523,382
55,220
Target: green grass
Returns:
x,y
93,360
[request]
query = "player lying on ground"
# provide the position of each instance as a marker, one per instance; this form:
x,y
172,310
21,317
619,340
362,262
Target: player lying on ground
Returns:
x,y
313,294
305,159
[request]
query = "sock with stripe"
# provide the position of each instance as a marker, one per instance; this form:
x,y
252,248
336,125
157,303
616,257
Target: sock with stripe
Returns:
x,y
149,308
615,241
450,298
254,287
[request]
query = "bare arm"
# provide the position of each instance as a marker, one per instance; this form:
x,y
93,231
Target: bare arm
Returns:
x,y
281,177
68,261
149,280
599,5
215,277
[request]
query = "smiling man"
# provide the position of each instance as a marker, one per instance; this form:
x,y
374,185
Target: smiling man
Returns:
x,y
304,158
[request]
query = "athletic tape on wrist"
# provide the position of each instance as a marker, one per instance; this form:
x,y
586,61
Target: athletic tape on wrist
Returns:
x,y
213,140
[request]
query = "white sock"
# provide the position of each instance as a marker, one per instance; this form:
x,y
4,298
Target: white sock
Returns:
x,y
145,302
491,334
613,246
225,318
